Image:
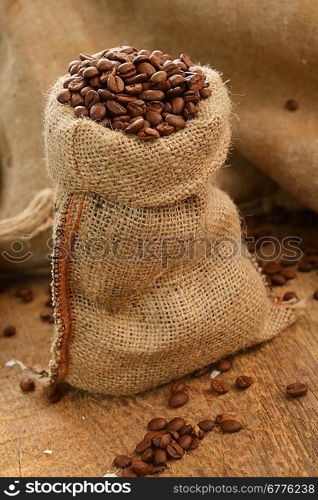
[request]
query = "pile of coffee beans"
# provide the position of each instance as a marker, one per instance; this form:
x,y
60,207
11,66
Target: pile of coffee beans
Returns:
x,y
164,441
140,92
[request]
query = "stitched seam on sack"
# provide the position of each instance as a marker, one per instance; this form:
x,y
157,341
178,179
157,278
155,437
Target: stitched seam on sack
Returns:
x,y
64,325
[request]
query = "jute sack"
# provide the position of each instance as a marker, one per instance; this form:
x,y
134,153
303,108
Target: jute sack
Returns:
x,y
129,321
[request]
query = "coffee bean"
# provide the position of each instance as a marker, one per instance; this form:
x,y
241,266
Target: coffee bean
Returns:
x,y
156,440
187,429
315,295
64,96
146,67
153,118
288,274
142,446
219,386
195,443
160,457
165,129
176,121
136,108
206,425
90,72
47,316
148,134
186,60
205,92
296,390
126,68
278,280
304,266
122,461
129,472
231,426
54,394
91,98
165,441
158,468
289,295
104,65
25,294
81,111
118,126
178,399
152,95
221,417
291,105
202,371
157,424
243,381
115,84
142,77
224,365
272,268
185,442
98,111
9,331
151,434
176,424
27,385
105,95
147,455
133,89
77,100
140,467
174,450
114,108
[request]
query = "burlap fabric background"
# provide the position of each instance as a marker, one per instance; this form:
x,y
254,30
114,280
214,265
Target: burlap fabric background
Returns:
x,y
268,51
126,322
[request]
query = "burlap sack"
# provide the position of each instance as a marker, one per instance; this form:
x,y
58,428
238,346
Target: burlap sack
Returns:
x,y
127,322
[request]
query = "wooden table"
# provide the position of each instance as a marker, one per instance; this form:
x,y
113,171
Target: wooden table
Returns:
x,y
86,431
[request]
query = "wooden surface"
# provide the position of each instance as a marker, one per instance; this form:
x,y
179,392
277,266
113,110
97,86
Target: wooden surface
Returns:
x,y
85,431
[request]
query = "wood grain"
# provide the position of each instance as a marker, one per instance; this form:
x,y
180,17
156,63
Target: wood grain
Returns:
x,y
85,431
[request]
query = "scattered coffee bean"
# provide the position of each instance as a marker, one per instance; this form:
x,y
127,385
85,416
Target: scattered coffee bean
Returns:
x,y
156,469
219,386
195,443
143,445
9,331
25,294
27,385
289,295
160,457
165,440
188,429
129,472
140,467
315,295
178,399
179,387
243,382
157,424
272,268
231,426
288,274
174,434
122,461
224,365
201,371
176,424
221,418
54,394
47,316
291,105
185,442
278,280
305,266
175,451
296,390
136,81
206,425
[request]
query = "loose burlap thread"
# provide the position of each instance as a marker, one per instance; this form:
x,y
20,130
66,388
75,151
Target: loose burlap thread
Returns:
x,y
141,295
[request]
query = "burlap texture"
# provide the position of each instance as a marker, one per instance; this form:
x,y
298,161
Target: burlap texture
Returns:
x,y
129,321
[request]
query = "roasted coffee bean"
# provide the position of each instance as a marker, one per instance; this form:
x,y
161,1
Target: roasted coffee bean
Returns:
x,y
152,95
185,442
286,262
206,425
157,424
66,82
159,77
165,441
98,111
221,417
129,472
174,450
105,95
135,126
106,122
243,381
176,424
104,65
142,446
151,434
272,268
315,295
186,60
224,365
175,80
25,294
190,110
91,98
125,99
118,126
156,469
304,266
147,455
77,100
202,371
115,109
289,295
140,467
54,394
146,67
175,92
115,84
90,72
126,68
137,108
122,461
153,118
178,399
200,434
231,426
176,121
179,386
296,390
27,385
160,457
148,134
9,331
142,77
81,111
165,129
291,105
187,429
64,96
133,89
278,280
219,386
205,92
156,440
47,316
156,106
288,274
